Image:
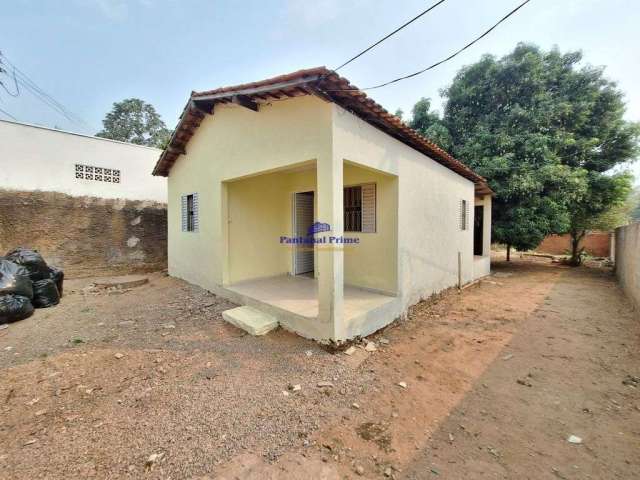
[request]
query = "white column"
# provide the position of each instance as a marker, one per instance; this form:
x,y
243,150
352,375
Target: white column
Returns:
x,y
330,256
486,234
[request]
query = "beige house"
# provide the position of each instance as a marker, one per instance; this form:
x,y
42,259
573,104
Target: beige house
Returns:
x,y
306,201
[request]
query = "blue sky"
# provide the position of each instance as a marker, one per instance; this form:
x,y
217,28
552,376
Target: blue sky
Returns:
x,y
89,53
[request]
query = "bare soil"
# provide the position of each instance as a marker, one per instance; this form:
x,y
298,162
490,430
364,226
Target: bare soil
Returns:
x,y
152,381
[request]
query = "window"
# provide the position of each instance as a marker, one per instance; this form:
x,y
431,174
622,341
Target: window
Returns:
x,y
97,174
464,215
359,203
190,213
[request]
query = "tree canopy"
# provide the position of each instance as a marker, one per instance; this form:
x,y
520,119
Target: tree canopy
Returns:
x,y
135,121
545,131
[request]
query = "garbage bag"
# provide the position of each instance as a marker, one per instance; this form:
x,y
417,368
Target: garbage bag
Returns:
x,y
45,293
14,279
57,275
31,260
14,307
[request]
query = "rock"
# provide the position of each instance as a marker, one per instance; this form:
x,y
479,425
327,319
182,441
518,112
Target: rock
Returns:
x,y
285,393
359,470
3,326
325,385
295,388
350,351
153,458
387,472
508,356
574,439
168,325
355,406
370,347
383,341
308,353
118,355
32,402
402,384
30,442
39,413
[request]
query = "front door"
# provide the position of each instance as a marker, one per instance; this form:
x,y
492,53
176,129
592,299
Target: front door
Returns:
x,y
302,221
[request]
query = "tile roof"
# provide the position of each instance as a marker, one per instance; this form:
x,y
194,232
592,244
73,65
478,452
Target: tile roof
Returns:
x,y
321,82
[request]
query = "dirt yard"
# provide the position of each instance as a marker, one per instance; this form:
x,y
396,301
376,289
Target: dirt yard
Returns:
x,y
151,383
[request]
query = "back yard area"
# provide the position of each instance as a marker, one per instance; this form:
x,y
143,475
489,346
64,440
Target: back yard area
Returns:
x,y
487,383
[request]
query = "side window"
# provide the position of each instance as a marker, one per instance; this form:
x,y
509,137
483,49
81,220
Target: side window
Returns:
x,y
190,212
464,215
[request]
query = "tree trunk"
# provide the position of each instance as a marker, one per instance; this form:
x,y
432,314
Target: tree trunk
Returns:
x,y
576,251
508,252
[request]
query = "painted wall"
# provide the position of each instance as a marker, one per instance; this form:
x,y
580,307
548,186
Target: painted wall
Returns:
x,y
38,158
281,134
627,258
372,262
597,244
429,235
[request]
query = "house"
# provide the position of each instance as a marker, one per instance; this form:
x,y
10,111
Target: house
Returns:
x,y
303,199
88,204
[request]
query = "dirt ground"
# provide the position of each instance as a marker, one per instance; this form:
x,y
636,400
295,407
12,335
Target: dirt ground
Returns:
x,y
153,383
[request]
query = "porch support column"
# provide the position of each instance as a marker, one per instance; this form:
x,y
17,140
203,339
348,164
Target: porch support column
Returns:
x,y
330,256
486,234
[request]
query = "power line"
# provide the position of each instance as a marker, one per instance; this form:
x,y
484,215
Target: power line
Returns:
x,y
8,115
389,35
33,88
445,59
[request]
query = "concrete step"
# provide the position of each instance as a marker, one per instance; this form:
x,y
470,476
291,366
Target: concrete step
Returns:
x,y
250,320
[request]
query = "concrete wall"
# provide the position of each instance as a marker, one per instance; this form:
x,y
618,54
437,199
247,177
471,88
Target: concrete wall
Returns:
x,y
428,230
628,260
38,158
86,236
482,264
597,244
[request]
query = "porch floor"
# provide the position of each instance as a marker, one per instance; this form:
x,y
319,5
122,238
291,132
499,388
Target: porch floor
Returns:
x,y
299,295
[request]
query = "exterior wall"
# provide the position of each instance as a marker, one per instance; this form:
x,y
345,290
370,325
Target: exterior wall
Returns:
x,y
83,235
482,264
628,261
597,244
232,144
38,158
371,263
429,236
260,211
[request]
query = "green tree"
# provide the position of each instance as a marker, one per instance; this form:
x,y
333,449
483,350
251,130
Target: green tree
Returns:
x,y
429,123
134,121
635,205
543,130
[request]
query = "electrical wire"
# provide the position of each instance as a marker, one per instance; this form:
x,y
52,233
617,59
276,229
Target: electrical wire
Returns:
x,y
33,88
419,72
389,35
8,115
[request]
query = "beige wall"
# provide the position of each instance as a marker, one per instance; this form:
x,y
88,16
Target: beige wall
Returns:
x,y
627,258
428,233
236,142
372,263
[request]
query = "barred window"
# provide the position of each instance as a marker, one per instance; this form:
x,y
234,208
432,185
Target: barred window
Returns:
x,y
97,174
359,204
464,215
190,220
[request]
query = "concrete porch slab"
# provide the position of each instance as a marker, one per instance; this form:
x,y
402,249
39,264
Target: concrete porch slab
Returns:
x,y
250,320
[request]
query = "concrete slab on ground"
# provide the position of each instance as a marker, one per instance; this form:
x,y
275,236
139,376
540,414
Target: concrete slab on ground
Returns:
x,y
126,281
250,320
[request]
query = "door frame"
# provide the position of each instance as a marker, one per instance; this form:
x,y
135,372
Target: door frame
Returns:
x,y
294,224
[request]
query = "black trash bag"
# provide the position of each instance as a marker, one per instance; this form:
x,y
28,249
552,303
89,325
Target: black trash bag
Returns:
x,y
57,275
14,279
14,307
45,293
31,260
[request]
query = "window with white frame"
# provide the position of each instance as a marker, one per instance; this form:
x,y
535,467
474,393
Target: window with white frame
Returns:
x,y
189,211
359,204
97,174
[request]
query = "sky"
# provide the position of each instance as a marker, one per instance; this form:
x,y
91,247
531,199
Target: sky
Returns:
x,y
88,54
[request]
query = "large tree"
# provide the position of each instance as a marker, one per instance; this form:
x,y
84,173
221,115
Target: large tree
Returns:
x,y
135,121
544,131
429,123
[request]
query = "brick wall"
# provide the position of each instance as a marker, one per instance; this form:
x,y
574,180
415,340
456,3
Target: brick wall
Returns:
x,y
597,244
86,236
